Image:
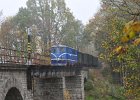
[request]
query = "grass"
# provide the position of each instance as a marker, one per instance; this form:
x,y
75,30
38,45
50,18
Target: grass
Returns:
x,y
89,98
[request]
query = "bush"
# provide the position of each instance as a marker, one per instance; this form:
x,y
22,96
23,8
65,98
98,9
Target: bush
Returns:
x,y
89,85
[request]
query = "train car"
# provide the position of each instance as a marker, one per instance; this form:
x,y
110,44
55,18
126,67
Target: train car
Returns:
x,y
80,58
87,60
63,55
95,61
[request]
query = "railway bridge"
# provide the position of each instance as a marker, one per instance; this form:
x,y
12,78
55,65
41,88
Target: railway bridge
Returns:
x,y
20,80
36,82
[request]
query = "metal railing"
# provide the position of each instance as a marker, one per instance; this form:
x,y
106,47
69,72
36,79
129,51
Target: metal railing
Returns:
x,y
13,56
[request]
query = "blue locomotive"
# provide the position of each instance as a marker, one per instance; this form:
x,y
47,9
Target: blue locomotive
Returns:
x,y
64,55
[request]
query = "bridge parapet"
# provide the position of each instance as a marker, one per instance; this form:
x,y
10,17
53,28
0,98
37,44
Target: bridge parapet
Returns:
x,y
13,56
54,71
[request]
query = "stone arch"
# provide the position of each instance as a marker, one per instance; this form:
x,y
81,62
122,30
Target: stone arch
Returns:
x,y
12,83
85,79
85,76
13,94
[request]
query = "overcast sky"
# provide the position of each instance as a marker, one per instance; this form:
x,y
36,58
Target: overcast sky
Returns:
x,y
82,9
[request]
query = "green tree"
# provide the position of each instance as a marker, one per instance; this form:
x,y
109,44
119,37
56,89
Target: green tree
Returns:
x,y
73,34
7,38
23,19
54,21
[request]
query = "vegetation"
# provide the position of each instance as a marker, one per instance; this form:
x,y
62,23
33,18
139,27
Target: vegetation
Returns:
x,y
99,87
116,28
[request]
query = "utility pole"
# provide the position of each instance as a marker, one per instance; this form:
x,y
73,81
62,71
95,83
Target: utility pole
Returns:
x,y
29,62
29,46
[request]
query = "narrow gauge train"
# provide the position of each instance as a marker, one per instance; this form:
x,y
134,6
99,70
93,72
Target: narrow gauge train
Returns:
x,y
64,55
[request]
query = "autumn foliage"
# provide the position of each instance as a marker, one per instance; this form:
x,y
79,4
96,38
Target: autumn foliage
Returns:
x,y
127,55
130,31
118,42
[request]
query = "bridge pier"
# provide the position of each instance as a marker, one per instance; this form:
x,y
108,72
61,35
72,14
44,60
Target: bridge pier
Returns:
x,y
56,88
75,87
48,89
58,83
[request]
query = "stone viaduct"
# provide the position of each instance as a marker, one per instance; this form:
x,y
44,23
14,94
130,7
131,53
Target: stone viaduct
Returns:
x,y
36,82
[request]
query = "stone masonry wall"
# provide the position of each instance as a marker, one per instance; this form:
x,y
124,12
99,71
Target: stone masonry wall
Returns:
x,y
75,86
48,89
14,78
52,88
55,88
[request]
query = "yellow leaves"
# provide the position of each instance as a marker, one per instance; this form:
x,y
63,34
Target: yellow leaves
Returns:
x,y
131,34
136,42
118,50
132,26
131,29
133,93
128,36
131,82
124,39
101,56
128,92
135,26
105,45
127,27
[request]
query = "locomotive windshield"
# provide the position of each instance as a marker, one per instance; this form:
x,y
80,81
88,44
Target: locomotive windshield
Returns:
x,y
62,49
58,50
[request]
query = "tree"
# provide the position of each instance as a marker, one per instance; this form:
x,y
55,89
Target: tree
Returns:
x,y
128,7
115,45
73,34
51,17
6,33
128,58
23,19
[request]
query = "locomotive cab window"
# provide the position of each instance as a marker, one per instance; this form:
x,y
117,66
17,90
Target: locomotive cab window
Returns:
x,y
55,50
62,49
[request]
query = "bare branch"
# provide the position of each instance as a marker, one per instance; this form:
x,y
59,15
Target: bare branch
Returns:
x,y
125,4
